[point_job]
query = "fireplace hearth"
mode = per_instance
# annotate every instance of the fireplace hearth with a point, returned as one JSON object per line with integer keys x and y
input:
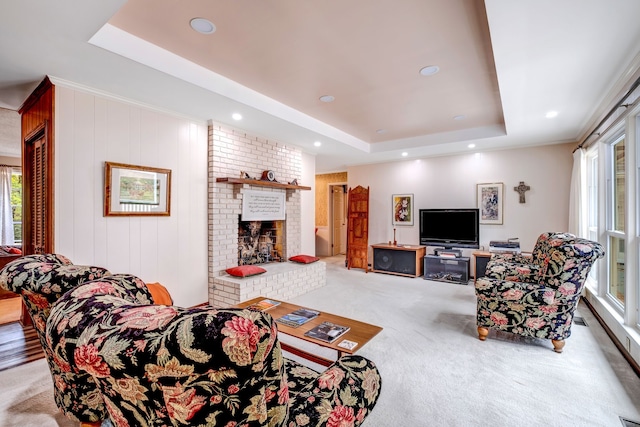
{"x": 261, "y": 242}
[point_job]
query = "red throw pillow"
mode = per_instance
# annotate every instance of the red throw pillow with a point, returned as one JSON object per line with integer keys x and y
{"x": 15, "y": 251}
{"x": 245, "y": 270}
{"x": 304, "y": 259}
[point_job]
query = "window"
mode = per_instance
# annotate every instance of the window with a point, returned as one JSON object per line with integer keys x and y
{"x": 16, "y": 204}
{"x": 616, "y": 221}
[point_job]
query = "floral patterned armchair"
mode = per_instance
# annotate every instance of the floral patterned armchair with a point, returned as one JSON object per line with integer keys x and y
{"x": 165, "y": 365}
{"x": 42, "y": 280}
{"x": 536, "y": 295}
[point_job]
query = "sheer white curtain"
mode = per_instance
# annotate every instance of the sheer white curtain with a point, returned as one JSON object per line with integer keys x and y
{"x": 577, "y": 196}
{"x": 6, "y": 216}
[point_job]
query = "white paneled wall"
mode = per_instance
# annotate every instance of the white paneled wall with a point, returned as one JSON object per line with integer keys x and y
{"x": 91, "y": 129}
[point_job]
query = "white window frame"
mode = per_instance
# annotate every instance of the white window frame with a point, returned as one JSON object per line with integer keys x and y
{"x": 609, "y": 232}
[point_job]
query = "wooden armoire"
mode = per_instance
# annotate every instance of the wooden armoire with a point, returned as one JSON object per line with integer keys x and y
{"x": 358, "y": 228}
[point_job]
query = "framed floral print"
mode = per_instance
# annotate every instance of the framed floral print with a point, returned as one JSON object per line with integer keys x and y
{"x": 490, "y": 202}
{"x": 402, "y": 209}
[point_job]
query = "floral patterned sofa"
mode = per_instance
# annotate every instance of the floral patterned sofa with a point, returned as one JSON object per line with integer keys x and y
{"x": 536, "y": 295}
{"x": 158, "y": 365}
{"x": 41, "y": 280}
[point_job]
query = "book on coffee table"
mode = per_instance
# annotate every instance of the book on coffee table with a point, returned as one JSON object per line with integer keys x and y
{"x": 327, "y": 331}
{"x": 298, "y": 317}
{"x": 263, "y": 305}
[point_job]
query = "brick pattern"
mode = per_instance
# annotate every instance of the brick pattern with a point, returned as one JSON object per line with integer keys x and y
{"x": 282, "y": 281}
{"x": 231, "y": 151}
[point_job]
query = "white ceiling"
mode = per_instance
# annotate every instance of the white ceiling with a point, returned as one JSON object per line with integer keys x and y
{"x": 503, "y": 65}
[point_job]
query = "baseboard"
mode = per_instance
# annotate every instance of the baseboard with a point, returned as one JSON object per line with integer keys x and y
{"x": 634, "y": 365}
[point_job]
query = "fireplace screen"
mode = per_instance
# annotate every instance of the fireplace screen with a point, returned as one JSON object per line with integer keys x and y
{"x": 260, "y": 242}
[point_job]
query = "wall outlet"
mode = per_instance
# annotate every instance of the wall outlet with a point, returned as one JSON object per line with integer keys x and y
{"x": 627, "y": 343}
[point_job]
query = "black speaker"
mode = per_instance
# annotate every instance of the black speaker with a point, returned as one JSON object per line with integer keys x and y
{"x": 393, "y": 261}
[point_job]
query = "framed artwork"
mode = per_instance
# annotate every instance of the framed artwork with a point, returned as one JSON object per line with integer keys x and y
{"x": 402, "y": 209}
{"x": 136, "y": 190}
{"x": 490, "y": 202}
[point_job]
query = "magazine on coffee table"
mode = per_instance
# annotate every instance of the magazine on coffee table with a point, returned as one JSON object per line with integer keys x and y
{"x": 327, "y": 331}
{"x": 263, "y": 305}
{"x": 298, "y": 317}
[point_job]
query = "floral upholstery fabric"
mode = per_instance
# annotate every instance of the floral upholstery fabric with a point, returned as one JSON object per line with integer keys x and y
{"x": 171, "y": 366}
{"x": 42, "y": 280}
{"x": 512, "y": 267}
{"x": 537, "y": 299}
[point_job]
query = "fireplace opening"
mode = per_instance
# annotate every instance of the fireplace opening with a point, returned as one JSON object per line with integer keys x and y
{"x": 261, "y": 242}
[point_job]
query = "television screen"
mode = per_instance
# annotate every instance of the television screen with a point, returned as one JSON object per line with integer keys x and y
{"x": 450, "y": 228}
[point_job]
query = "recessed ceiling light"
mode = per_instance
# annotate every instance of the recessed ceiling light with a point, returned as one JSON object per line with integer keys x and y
{"x": 405, "y": 154}
{"x": 236, "y": 116}
{"x": 202, "y": 25}
{"x": 471, "y": 145}
{"x": 429, "y": 70}
{"x": 327, "y": 98}
{"x": 317, "y": 143}
{"x": 459, "y": 117}
{"x": 551, "y": 114}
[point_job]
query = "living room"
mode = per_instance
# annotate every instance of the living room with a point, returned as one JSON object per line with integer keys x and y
{"x": 97, "y": 123}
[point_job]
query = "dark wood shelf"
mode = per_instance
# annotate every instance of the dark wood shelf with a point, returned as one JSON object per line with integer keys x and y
{"x": 262, "y": 183}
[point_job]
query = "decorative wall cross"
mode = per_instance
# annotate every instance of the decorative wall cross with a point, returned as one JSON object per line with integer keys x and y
{"x": 521, "y": 189}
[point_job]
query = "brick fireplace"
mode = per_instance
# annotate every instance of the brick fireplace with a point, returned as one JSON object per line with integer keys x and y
{"x": 231, "y": 152}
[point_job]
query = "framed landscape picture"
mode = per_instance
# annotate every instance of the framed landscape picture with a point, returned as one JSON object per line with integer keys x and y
{"x": 136, "y": 190}
{"x": 490, "y": 202}
{"x": 402, "y": 209}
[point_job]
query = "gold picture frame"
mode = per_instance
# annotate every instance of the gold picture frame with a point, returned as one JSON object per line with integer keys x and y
{"x": 131, "y": 190}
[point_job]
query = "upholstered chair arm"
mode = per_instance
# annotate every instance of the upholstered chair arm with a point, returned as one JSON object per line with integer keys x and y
{"x": 506, "y": 268}
{"x": 41, "y": 280}
{"x": 515, "y": 258}
{"x": 164, "y": 365}
{"x": 344, "y": 394}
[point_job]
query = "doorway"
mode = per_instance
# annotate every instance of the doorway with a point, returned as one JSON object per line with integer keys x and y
{"x": 338, "y": 218}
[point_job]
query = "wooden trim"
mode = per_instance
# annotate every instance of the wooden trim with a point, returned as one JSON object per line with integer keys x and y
{"x": 305, "y": 355}
{"x": 260, "y": 183}
{"x": 35, "y": 96}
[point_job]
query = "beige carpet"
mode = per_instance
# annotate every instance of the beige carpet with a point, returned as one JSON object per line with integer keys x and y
{"x": 435, "y": 371}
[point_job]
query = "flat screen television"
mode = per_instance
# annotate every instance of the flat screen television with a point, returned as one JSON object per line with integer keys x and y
{"x": 450, "y": 228}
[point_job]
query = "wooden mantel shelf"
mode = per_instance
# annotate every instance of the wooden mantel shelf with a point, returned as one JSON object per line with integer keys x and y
{"x": 262, "y": 183}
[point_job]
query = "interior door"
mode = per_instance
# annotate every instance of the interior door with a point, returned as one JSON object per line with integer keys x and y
{"x": 337, "y": 211}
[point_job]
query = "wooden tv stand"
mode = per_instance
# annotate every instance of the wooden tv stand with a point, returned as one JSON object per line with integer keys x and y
{"x": 404, "y": 260}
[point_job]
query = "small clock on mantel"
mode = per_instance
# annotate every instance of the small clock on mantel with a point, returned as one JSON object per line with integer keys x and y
{"x": 268, "y": 175}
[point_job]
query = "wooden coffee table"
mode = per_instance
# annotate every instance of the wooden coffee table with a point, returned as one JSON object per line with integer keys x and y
{"x": 359, "y": 332}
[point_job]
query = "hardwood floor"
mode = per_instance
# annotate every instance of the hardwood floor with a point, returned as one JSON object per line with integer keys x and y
{"x": 18, "y": 345}
{"x": 10, "y": 307}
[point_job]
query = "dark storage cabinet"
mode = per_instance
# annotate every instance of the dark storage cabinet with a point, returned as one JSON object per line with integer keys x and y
{"x": 446, "y": 269}
{"x": 402, "y": 260}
